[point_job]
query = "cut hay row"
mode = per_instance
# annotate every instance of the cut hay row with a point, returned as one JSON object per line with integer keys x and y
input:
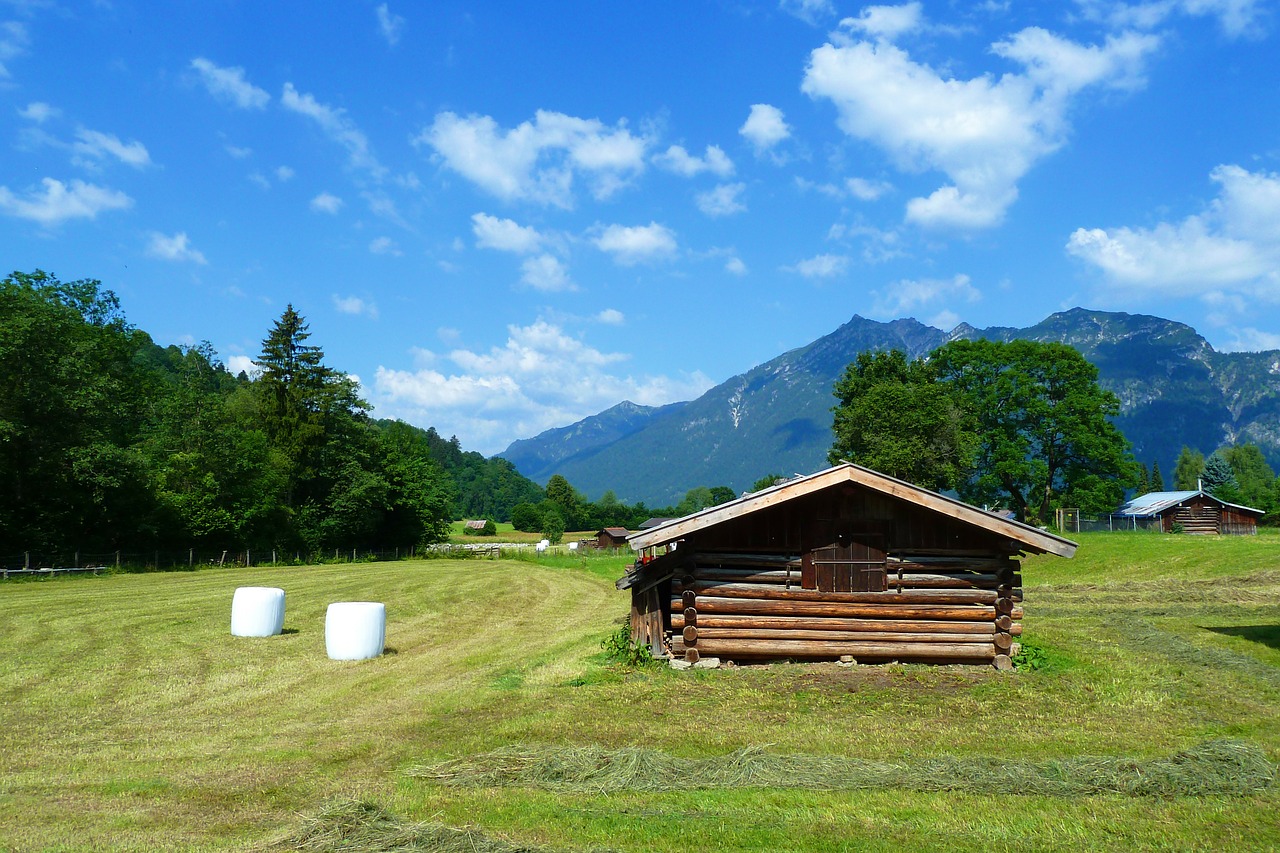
{"x": 359, "y": 827}
{"x": 1213, "y": 767}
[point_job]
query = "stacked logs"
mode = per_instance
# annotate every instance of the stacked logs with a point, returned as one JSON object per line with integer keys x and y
{"x": 933, "y": 609}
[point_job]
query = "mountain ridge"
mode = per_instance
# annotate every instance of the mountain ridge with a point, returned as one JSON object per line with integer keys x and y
{"x": 1174, "y": 389}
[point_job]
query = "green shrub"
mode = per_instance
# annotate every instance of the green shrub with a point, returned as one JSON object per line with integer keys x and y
{"x": 619, "y": 649}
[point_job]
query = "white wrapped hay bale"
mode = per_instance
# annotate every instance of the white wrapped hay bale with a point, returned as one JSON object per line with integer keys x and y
{"x": 542, "y": 546}
{"x": 355, "y": 630}
{"x": 257, "y": 611}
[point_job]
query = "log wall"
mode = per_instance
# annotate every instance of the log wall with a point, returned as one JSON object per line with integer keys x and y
{"x": 752, "y": 606}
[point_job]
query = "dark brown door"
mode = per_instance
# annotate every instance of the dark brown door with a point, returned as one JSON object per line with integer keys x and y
{"x": 841, "y": 559}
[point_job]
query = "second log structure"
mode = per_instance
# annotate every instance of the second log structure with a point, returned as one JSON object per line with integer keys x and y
{"x": 844, "y": 562}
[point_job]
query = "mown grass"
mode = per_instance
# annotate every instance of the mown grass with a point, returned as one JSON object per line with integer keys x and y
{"x": 131, "y": 719}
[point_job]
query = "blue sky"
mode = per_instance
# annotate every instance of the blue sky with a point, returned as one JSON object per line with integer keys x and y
{"x": 506, "y": 217}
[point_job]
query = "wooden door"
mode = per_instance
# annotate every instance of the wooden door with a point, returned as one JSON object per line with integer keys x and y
{"x": 839, "y": 558}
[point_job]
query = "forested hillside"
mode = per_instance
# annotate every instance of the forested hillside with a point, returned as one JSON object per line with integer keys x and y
{"x": 110, "y": 441}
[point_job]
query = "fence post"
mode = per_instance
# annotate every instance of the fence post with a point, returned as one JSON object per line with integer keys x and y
{"x": 353, "y": 555}
{"x": 26, "y": 560}
{"x": 77, "y": 563}
{"x": 117, "y": 560}
{"x": 191, "y": 557}
{"x": 273, "y": 556}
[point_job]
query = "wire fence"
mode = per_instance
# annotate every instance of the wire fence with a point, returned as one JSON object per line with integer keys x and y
{"x": 45, "y": 563}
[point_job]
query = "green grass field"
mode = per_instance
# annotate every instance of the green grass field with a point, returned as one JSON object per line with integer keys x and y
{"x": 131, "y": 719}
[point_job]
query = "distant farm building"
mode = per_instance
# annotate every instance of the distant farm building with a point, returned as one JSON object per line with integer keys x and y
{"x": 1188, "y": 512}
{"x": 612, "y": 537}
{"x": 844, "y": 562}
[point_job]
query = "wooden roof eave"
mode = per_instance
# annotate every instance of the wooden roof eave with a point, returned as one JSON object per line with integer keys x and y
{"x": 1025, "y": 537}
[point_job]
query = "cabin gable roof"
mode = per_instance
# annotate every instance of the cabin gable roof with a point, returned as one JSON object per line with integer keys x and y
{"x": 1028, "y": 538}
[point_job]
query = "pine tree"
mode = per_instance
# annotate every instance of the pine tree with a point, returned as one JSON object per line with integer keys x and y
{"x": 293, "y": 388}
{"x": 1144, "y": 479}
{"x": 1157, "y": 481}
{"x": 1219, "y": 480}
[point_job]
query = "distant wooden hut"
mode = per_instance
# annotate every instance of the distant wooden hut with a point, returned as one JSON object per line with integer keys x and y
{"x": 846, "y": 561}
{"x": 1195, "y": 512}
{"x": 612, "y": 537}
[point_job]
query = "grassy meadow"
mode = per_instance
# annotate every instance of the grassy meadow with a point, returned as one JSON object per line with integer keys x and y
{"x": 131, "y": 719}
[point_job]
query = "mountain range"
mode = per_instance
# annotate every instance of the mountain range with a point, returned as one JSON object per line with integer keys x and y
{"x": 1174, "y": 390}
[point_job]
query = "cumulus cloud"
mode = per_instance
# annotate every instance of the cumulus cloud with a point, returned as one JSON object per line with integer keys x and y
{"x": 735, "y": 266}
{"x": 505, "y": 235}
{"x": 355, "y": 306}
{"x": 92, "y": 145}
{"x": 537, "y": 161}
{"x": 630, "y": 245}
{"x": 59, "y": 202}
{"x": 611, "y": 317}
{"x": 677, "y": 159}
{"x": 177, "y": 248}
{"x": 384, "y": 246}
{"x": 906, "y": 297}
{"x": 1232, "y": 246}
{"x": 546, "y": 273}
{"x": 540, "y": 378}
{"x": 984, "y": 134}
{"x": 39, "y": 112}
{"x": 326, "y": 203}
{"x": 335, "y": 124}
{"x": 1249, "y": 339}
{"x": 724, "y": 200}
{"x": 820, "y": 266}
{"x": 230, "y": 85}
{"x": 391, "y": 26}
{"x": 765, "y": 127}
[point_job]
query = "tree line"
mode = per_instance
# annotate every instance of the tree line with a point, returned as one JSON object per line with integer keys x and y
{"x": 110, "y": 441}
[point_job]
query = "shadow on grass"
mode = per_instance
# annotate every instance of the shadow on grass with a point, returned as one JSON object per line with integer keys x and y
{"x": 288, "y": 630}
{"x": 1268, "y": 635}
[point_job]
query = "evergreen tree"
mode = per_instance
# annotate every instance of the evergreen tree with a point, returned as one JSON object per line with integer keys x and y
{"x": 1144, "y": 480}
{"x": 1157, "y": 481}
{"x": 1218, "y": 478}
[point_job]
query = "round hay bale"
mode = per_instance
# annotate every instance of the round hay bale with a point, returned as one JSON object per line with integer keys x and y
{"x": 355, "y": 630}
{"x": 257, "y": 611}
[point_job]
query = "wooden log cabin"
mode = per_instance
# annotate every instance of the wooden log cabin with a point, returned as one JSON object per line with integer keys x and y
{"x": 844, "y": 562}
{"x": 1195, "y": 512}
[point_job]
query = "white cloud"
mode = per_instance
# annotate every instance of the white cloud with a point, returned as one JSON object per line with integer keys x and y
{"x": 1237, "y": 18}
{"x": 284, "y": 173}
{"x": 93, "y": 145}
{"x": 631, "y": 245}
{"x": 230, "y": 85}
{"x": 391, "y": 26}
{"x": 677, "y": 159}
{"x": 820, "y": 266}
{"x": 384, "y": 246}
{"x": 238, "y": 364}
{"x": 505, "y": 235}
{"x": 765, "y": 127}
{"x": 984, "y": 133}
{"x": 337, "y": 126}
{"x": 809, "y": 11}
{"x": 13, "y": 44}
{"x": 238, "y": 152}
{"x": 326, "y": 203}
{"x": 724, "y": 200}
{"x": 1249, "y": 339}
{"x": 60, "y": 202}
{"x": 546, "y": 273}
{"x": 902, "y": 298}
{"x": 865, "y": 190}
{"x": 735, "y": 266}
{"x": 542, "y": 377}
{"x": 537, "y": 161}
{"x": 886, "y": 22}
{"x": 39, "y": 112}
{"x": 1232, "y": 246}
{"x": 355, "y": 306}
{"x": 176, "y": 248}
{"x": 611, "y": 317}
